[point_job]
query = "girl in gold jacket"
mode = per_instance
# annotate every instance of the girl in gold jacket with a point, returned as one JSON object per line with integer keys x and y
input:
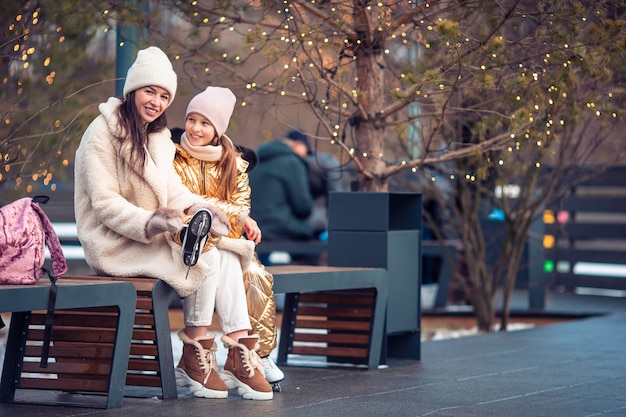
{"x": 209, "y": 164}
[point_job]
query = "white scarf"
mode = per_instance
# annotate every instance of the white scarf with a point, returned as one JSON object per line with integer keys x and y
{"x": 209, "y": 153}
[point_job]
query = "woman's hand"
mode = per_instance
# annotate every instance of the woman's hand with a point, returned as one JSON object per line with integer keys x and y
{"x": 163, "y": 220}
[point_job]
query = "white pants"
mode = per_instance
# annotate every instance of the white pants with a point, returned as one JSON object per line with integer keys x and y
{"x": 222, "y": 291}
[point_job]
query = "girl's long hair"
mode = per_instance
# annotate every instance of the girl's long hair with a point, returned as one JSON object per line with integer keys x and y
{"x": 227, "y": 168}
{"x": 132, "y": 130}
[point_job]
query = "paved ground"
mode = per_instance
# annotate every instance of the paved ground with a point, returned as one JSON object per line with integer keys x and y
{"x": 570, "y": 369}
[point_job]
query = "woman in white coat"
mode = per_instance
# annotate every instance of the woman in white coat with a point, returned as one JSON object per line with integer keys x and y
{"x": 129, "y": 201}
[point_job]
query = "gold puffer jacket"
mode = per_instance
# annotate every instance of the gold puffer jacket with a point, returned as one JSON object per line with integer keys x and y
{"x": 199, "y": 176}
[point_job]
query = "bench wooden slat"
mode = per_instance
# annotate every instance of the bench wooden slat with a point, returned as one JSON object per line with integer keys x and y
{"x": 333, "y": 325}
{"x": 144, "y": 349}
{"x": 143, "y": 334}
{"x": 142, "y": 319}
{"x": 144, "y": 303}
{"x": 100, "y": 367}
{"x": 331, "y": 312}
{"x": 72, "y": 350}
{"x": 73, "y": 334}
{"x": 147, "y": 364}
{"x": 71, "y": 319}
{"x": 329, "y": 351}
{"x": 342, "y": 298}
{"x": 143, "y": 380}
{"x": 87, "y": 385}
{"x": 338, "y": 338}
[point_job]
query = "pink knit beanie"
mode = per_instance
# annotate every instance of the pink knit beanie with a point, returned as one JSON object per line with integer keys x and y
{"x": 216, "y": 104}
{"x": 151, "y": 67}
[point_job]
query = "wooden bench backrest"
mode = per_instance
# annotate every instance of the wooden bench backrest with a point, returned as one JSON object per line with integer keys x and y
{"x": 81, "y": 350}
{"x": 334, "y": 324}
{"x": 82, "y": 346}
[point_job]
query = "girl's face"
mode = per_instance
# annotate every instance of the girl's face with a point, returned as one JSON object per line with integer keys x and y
{"x": 199, "y": 130}
{"x": 151, "y": 102}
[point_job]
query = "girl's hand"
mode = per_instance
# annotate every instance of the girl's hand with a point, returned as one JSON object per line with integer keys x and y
{"x": 220, "y": 225}
{"x": 253, "y": 232}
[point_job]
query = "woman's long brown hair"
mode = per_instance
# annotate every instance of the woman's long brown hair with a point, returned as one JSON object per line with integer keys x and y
{"x": 132, "y": 129}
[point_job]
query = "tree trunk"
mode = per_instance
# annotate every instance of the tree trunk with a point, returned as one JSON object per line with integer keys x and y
{"x": 513, "y": 257}
{"x": 477, "y": 282}
{"x": 369, "y": 126}
{"x": 481, "y": 295}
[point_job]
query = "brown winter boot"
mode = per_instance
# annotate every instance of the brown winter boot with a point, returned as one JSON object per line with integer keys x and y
{"x": 197, "y": 368}
{"x": 244, "y": 370}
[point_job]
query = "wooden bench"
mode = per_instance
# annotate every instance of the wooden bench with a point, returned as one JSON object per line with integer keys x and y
{"x": 151, "y": 362}
{"x": 83, "y": 359}
{"x": 361, "y": 307}
{"x": 332, "y": 312}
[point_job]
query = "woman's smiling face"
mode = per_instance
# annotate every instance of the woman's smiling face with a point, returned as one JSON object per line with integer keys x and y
{"x": 151, "y": 102}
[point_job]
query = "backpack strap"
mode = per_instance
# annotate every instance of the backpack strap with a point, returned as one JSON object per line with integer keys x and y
{"x": 59, "y": 266}
{"x": 47, "y": 333}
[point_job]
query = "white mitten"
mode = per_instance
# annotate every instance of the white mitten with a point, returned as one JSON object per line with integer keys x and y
{"x": 220, "y": 226}
{"x": 164, "y": 220}
{"x": 242, "y": 247}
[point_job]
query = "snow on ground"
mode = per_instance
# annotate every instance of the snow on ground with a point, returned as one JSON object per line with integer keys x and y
{"x": 445, "y": 333}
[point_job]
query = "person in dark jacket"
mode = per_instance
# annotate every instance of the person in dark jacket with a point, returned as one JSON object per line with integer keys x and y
{"x": 281, "y": 200}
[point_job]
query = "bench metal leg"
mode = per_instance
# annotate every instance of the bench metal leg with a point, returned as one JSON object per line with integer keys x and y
{"x": 376, "y": 355}
{"x": 121, "y": 349}
{"x": 14, "y": 355}
{"x": 162, "y": 296}
{"x": 287, "y": 327}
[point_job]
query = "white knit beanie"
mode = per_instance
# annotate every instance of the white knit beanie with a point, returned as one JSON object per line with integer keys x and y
{"x": 216, "y": 104}
{"x": 152, "y": 67}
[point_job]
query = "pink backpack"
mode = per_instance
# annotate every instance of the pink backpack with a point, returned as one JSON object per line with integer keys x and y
{"x": 24, "y": 231}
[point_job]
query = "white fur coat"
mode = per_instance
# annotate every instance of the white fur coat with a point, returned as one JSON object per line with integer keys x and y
{"x": 113, "y": 203}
